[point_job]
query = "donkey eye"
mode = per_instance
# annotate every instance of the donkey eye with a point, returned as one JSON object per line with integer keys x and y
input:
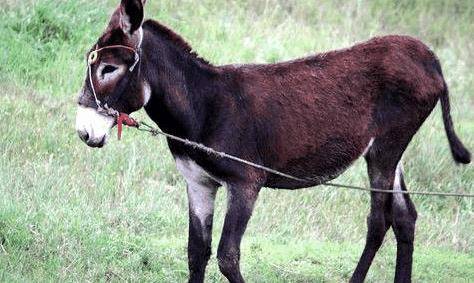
{"x": 108, "y": 69}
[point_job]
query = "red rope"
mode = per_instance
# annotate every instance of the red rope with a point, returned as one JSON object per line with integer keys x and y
{"x": 124, "y": 119}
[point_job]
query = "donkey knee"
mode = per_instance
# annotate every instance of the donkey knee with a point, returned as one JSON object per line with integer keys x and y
{"x": 198, "y": 258}
{"x": 404, "y": 223}
{"x": 376, "y": 229}
{"x": 228, "y": 262}
{"x": 404, "y": 230}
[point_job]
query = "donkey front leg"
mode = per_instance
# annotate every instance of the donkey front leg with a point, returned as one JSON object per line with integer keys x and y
{"x": 201, "y": 198}
{"x": 241, "y": 200}
{"x": 379, "y": 219}
{"x": 201, "y": 195}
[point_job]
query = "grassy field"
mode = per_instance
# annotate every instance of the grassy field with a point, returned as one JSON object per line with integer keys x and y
{"x": 71, "y": 213}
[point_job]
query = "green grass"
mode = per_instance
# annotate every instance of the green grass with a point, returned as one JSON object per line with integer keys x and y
{"x": 70, "y": 213}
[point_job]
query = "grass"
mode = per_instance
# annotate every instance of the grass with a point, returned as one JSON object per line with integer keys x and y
{"x": 70, "y": 213}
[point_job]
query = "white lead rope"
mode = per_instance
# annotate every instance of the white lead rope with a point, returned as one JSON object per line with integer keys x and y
{"x": 210, "y": 151}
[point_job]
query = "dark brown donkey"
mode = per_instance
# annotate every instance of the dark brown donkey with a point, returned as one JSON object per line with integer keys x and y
{"x": 310, "y": 117}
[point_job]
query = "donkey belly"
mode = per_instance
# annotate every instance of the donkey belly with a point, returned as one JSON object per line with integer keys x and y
{"x": 324, "y": 164}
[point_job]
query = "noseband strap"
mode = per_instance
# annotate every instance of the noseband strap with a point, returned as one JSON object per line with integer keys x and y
{"x": 94, "y": 55}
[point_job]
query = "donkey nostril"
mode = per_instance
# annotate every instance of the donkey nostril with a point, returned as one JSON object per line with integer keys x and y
{"x": 83, "y": 135}
{"x": 102, "y": 142}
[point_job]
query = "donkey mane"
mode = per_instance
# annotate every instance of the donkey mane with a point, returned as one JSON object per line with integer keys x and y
{"x": 175, "y": 38}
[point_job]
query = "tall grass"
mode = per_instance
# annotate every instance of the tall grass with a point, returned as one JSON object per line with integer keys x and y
{"x": 71, "y": 213}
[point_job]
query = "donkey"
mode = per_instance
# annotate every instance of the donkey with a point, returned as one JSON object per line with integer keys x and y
{"x": 310, "y": 118}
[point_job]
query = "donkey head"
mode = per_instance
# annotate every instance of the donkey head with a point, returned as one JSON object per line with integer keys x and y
{"x": 113, "y": 77}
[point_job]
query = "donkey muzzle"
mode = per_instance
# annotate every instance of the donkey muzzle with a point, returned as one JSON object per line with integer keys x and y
{"x": 92, "y": 127}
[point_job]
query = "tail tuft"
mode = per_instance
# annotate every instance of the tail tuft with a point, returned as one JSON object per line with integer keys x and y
{"x": 459, "y": 151}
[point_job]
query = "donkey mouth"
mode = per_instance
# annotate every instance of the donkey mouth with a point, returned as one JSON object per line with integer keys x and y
{"x": 96, "y": 144}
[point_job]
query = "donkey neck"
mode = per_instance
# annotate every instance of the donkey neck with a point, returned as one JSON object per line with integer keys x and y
{"x": 185, "y": 89}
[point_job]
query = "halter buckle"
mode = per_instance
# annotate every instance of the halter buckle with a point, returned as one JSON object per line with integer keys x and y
{"x": 93, "y": 56}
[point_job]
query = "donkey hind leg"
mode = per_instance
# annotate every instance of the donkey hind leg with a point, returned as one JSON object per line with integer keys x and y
{"x": 379, "y": 219}
{"x": 241, "y": 200}
{"x": 403, "y": 218}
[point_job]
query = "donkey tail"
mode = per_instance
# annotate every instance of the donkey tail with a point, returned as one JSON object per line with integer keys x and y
{"x": 458, "y": 150}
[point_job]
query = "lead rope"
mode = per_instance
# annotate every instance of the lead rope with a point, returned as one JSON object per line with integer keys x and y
{"x": 142, "y": 126}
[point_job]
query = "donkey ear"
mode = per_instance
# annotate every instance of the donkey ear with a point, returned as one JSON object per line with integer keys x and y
{"x": 131, "y": 15}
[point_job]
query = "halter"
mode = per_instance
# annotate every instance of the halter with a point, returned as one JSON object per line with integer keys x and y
{"x": 121, "y": 118}
{"x": 93, "y": 57}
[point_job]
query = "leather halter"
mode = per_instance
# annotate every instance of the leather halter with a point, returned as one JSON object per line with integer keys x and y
{"x": 93, "y": 57}
{"x": 121, "y": 118}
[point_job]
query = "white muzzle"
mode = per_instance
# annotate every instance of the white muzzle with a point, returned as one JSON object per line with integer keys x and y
{"x": 93, "y": 128}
